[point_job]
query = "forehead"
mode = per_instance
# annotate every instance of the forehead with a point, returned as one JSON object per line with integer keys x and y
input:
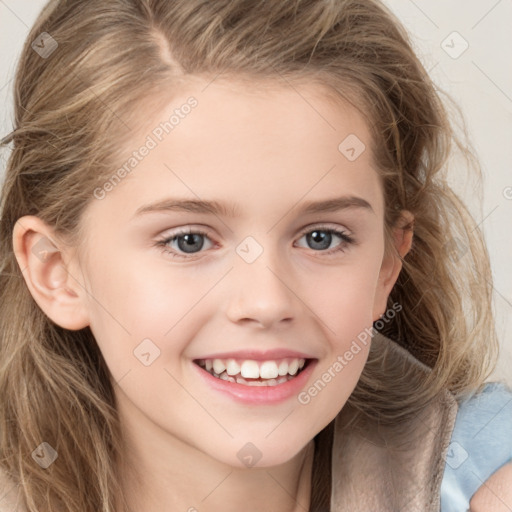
{"x": 266, "y": 144}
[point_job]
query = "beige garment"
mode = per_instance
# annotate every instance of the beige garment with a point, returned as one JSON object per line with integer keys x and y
{"x": 376, "y": 470}
{"x": 373, "y": 470}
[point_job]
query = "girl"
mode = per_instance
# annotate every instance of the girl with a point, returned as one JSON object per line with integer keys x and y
{"x": 233, "y": 276}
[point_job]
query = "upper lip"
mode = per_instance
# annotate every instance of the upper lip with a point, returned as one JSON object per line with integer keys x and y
{"x": 258, "y": 355}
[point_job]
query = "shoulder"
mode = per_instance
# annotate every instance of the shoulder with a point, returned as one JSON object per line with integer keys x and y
{"x": 481, "y": 444}
{"x": 10, "y": 500}
{"x": 495, "y": 494}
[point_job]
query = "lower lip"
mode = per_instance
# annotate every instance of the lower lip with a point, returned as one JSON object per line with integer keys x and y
{"x": 259, "y": 394}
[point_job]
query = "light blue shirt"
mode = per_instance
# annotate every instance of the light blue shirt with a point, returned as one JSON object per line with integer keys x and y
{"x": 481, "y": 443}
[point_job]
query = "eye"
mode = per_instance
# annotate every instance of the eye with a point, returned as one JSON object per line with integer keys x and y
{"x": 185, "y": 242}
{"x": 321, "y": 238}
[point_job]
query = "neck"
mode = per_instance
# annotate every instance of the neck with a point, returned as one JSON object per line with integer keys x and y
{"x": 180, "y": 477}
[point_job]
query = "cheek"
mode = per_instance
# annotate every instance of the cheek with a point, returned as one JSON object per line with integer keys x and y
{"x": 344, "y": 297}
{"x": 131, "y": 303}
{"x": 346, "y": 319}
{"x": 335, "y": 379}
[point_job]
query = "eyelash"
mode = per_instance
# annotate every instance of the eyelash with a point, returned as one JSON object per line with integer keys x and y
{"x": 346, "y": 240}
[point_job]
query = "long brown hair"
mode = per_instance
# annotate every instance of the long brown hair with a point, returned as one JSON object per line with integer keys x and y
{"x": 73, "y": 110}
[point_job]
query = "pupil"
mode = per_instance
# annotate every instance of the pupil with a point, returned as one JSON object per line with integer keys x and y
{"x": 319, "y": 237}
{"x": 192, "y": 242}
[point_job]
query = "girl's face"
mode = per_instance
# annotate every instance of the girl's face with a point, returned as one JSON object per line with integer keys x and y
{"x": 250, "y": 228}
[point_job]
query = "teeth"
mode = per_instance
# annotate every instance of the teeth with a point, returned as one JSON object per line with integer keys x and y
{"x": 273, "y": 372}
{"x": 293, "y": 367}
{"x": 224, "y": 376}
{"x": 232, "y": 367}
{"x": 269, "y": 370}
{"x": 270, "y": 382}
{"x": 218, "y": 366}
{"x": 260, "y": 383}
{"x": 283, "y": 368}
{"x": 250, "y": 370}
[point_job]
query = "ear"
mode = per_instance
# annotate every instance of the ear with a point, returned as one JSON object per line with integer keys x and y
{"x": 392, "y": 262}
{"x": 47, "y": 268}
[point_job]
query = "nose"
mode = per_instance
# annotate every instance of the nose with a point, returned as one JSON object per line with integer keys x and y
{"x": 262, "y": 295}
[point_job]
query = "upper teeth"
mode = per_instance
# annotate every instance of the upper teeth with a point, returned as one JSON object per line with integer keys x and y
{"x": 251, "y": 369}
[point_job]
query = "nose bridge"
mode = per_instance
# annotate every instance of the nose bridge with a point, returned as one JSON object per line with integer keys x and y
{"x": 261, "y": 292}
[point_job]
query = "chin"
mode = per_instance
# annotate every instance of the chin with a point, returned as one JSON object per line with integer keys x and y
{"x": 260, "y": 455}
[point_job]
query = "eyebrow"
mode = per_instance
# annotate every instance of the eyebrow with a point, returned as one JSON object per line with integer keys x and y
{"x": 230, "y": 210}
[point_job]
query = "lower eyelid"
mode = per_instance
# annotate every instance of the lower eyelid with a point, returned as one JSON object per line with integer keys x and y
{"x": 345, "y": 241}
{"x": 343, "y": 235}
{"x": 344, "y": 245}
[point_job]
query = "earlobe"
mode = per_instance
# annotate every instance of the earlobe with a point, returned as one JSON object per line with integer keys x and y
{"x": 47, "y": 273}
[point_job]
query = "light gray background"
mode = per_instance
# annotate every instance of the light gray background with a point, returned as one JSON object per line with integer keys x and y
{"x": 480, "y": 80}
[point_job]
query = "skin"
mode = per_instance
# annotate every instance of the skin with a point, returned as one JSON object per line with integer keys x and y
{"x": 495, "y": 495}
{"x": 267, "y": 154}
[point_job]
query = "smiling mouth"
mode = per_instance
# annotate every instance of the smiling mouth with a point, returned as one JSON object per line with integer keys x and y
{"x": 254, "y": 373}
